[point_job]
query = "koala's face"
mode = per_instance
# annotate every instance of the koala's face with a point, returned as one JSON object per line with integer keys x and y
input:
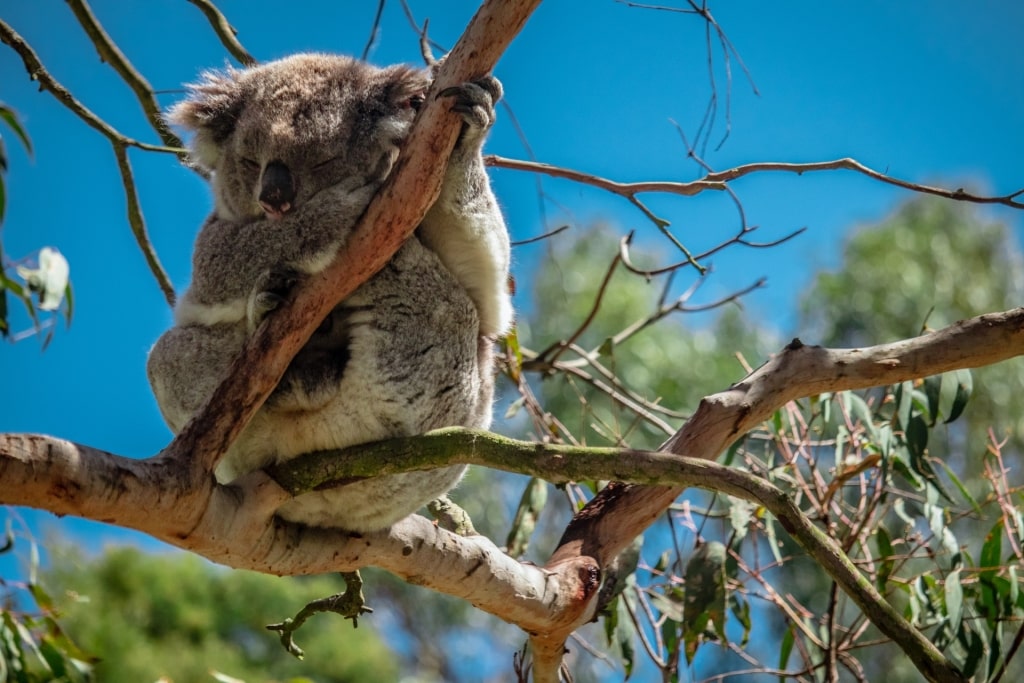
{"x": 276, "y": 134}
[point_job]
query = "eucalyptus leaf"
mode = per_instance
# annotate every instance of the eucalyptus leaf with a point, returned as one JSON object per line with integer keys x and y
{"x": 954, "y": 600}
{"x": 8, "y": 116}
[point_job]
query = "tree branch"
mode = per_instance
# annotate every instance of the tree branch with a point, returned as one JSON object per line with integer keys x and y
{"x": 235, "y": 525}
{"x": 119, "y": 142}
{"x": 225, "y": 31}
{"x": 718, "y": 180}
{"x": 620, "y": 512}
{"x": 110, "y": 53}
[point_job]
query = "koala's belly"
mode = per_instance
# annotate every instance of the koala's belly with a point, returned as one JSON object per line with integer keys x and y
{"x": 413, "y": 365}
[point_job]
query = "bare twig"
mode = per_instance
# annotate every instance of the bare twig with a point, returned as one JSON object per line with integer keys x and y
{"x": 849, "y": 164}
{"x": 426, "y": 43}
{"x": 590, "y": 358}
{"x": 119, "y": 142}
{"x": 551, "y": 353}
{"x": 635, "y": 405}
{"x": 718, "y": 180}
{"x": 729, "y": 52}
{"x": 374, "y": 30}
{"x": 538, "y": 238}
{"x": 110, "y": 53}
{"x": 225, "y": 31}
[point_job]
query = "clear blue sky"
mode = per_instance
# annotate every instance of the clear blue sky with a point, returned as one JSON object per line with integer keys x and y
{"x": 928, "y": 92}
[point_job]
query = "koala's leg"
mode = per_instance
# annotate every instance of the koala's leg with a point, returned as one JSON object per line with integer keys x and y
{"x": 412, "y": 367}
{"x": 187, "y": 363}
{"x": 465, "y": 226}
{"x": 314, "y": 377}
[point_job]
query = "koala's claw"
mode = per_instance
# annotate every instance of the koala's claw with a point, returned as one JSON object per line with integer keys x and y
{"x": 475, "y": 100}
{"x": 271, "y": 290}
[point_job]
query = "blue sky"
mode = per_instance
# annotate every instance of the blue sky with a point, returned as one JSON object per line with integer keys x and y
{"x": 932, "y": 95}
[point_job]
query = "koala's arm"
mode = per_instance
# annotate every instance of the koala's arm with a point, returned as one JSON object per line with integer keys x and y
{"x": 234, "y": 263}
{"x": 465, "y": 227}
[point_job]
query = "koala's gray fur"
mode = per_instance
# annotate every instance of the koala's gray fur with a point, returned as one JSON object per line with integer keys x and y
{"x": 297, "y": 148}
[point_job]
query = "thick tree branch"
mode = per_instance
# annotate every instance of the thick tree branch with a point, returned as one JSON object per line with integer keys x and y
{"x": 620, "y": 512}
{"x": 235, "y": 524}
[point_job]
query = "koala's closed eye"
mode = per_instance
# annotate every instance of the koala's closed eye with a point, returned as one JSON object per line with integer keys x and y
{"x": 415, "y": 102}
{"x": 327, "y": 162}
{"x": 250, "y": 165}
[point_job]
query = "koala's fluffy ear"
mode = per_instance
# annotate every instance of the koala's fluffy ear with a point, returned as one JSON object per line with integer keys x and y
{"x": 211, "y": 111}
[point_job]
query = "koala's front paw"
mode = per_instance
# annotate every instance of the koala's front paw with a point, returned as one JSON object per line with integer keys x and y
{"x": 475, "y": 100}
{"x": 272, "y": 289}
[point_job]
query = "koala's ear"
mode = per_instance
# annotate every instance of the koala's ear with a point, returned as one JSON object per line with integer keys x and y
{"x": 211, "y": 112}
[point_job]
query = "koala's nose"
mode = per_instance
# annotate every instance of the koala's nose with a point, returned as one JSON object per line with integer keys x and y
{"x": 277, "y": 189}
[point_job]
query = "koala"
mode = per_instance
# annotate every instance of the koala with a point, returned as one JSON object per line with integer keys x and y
{"x": 296, "y": 150}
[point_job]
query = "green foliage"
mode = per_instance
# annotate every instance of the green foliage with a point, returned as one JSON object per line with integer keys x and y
{"x": 931, "y": 263}
{"x": 10, "y": 119}
{"x": 176, "y": 616}
{"x": 704, "y": 596}
{"x": 34, "y": 647}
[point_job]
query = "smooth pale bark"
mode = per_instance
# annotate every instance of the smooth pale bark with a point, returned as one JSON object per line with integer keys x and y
{"x": 235, "y": 525}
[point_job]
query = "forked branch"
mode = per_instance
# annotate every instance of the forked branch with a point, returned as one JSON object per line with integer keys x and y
{"x": 235, "y": 524}
{"x": 119, "y": 142}
{"x": 718, "y": 180}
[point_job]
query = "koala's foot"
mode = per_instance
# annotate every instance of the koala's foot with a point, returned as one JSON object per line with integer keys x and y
{"x": 272, "y": 289}
{"x": 475, "y": 101}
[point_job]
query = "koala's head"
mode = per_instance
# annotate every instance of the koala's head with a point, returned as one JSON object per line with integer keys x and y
{"x": 276, "y": 134}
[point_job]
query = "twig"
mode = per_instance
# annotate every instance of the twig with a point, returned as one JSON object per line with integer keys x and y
{"x": 680, "y": 306}
{"x": 718, "y": 180}
{"x": 350, "y": 604}
{"x": 119, "y": 142}
{"x": 590, "y": 358}
{"x": 538, "y": 238}
{"x": 552, "y": 352}
{"x": 225, "y": 31}
{"x": 374, "y": 29}
{"x": 729, "y": 52}
{"x": 627, "y": 190}
{"x": 110, "y": 53}
{"x": 849, "y": 164}
{"x": 635, "y": 406}
{"x": 425, "y": 40}
{"x": 138, "y": 224}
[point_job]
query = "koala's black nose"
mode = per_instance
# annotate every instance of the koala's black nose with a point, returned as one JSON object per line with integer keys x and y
{"x": 277, "y": 189}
